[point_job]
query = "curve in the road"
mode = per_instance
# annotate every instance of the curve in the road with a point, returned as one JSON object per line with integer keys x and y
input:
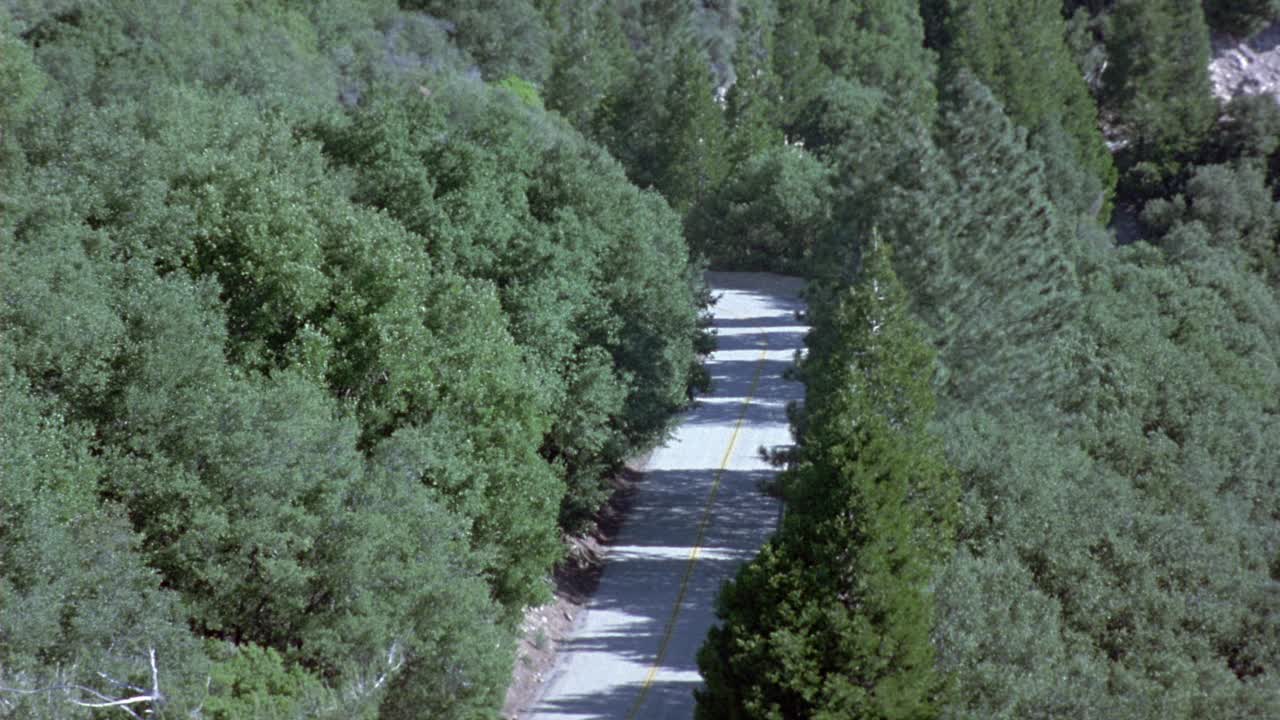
{"x": 696, "y": 516}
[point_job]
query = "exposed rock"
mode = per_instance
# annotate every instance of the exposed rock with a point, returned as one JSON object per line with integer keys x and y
{"x": 1246, "y": 67}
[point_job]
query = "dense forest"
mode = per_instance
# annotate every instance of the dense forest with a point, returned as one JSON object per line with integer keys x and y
{"x": 322, "y": 323}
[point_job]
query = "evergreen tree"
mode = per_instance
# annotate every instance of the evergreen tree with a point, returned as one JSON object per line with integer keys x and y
{"x": 506, "y": 37}
{"x": 1227, "y": 206}
{"x": 1018, "y": 50}
{"x": 768, "y": 215}
{"x": 999, "y": 280}
{"x": 80, "y": 609}
{"x": 880, "y": 44}
{"x": 877, "y": 44}
{"x": 751, "y": 105}
{"x": 796, "y": 60}
{"x": 832, "y": 619}
{"x": 1157, "y": 85}
{"x": 591, "y": 61}
{"x": 1250, "y": 128}
{"x": 693, "y": 160}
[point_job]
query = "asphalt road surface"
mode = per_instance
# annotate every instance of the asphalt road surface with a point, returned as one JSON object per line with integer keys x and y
{"x": 697, "y": 514}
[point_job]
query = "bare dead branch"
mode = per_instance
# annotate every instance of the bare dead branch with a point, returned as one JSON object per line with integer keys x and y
{"x": 102, "y": 700}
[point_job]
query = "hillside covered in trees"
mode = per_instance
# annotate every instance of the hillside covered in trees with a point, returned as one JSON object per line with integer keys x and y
{"x": 322, "y": 322}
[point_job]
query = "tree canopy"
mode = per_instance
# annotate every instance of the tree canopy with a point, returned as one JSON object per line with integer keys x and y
{"x": 322, "y": 323}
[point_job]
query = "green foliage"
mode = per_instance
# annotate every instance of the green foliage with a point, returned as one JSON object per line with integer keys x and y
{"x": 1104, "y": 410}
{"x": 328, "y": 395}
{"x": 592, "y": 62}
{"x": 1075, "y": 190}
{"x": 1019, "y": 51}
{"x": 1157, "y": 85}
{"x": 832, "y": 619}
{"x": 309, "y": 336}
{"x": 521, "y": 88}
{"x": 1155, "y": 358}
{"x": 693, "y": 161}
{"x": 1032, "y": 667}
{"x": 76, "y": 598}
{"x": 666, "y": 95}
{"x": 250, "y": 681}
{"x": 57, "y": 321}
{"x": 796, "y": 59}
{"x": 874, "y": 43}
{"x": 506, "y": 37}
{"x": 984, "y": 252}
{"x": 1230, "y": 207}
{"x": 1250, "y": 129}
{"x": 581, "y": 260}
{"x": 751, "y": 104}
{"x": 103, "y": 51}
{"x": 1116, "y": 393}
{"x": 20, "y": 80}
{"x": 768, "y": 216}
{"x": 874, "y": 152}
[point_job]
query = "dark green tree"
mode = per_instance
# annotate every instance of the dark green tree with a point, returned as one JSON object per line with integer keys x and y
{"x": 832, "y": 619}
{"x": 1006, "y": 267}
{"x": 768, "y": 215}
{"x": 80, "y": 609}
{"x": 1230, "y": 206}
{"x": 796, "y": 59}
{"x": 874, "y": 43}
{"x": 1018, "y": 50}
{"x": 591, "y": 62}
{"x": 553, "y": 225}
{"x": 1157, "y": 86}
{"x": 1250, "y": 128}
{"x": 693, "y": 157}
{"x": 751, "y": 104}
{"x": 880, "y": 44}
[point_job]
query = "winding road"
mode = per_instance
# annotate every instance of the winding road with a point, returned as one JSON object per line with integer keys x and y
{"x": 697, "y": 514}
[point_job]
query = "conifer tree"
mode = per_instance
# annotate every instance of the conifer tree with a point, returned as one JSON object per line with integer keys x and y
{"x": 874, "y": 43}
{"x": 693, "y": 159}
{"x": 1157, "y": 84}
{"x": 796, "y": 59}
{"x": 590, "y": 62}
{"x": 752, "y": 112}
{"x": 832, "y": 619}
{"x": 997, "y": 274}
{"x": 880, "y": 44}
{"x": 1019, "y": 51}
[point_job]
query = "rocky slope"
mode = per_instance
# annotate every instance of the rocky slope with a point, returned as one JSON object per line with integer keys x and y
{"x": 1246, "y": 67}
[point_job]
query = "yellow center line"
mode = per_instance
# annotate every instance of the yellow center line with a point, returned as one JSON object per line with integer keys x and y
{"x": 696, "y": 552}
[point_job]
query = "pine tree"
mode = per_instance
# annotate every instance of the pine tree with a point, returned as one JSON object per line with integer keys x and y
{"x": 693, "y": 159}
{"x": 591, "y": 60}
{"x": 880, "y": 44}
{"x": 874, "y": 43}
{"x": 1157, "y": 84}
{"x": 1000, "y": 268}
{"x": 801, "y": 74}
{"x": 832, "y": 619}
{"x": 1018, "y": 50}
{"x": 751, "y": 105}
